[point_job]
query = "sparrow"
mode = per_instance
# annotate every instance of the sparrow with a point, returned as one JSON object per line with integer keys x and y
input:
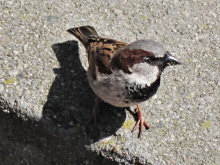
{"x": 123, "y": 74}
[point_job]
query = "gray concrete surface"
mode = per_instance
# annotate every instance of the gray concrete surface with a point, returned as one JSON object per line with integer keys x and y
{"x": 46, "y": 103}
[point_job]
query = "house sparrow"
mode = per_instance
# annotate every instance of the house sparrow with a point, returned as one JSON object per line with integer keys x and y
{"x": 123, "y": 74}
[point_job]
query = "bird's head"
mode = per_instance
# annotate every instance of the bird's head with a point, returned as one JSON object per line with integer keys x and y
{"x": 155, "y": 53}
{"x": 144, "y": 60}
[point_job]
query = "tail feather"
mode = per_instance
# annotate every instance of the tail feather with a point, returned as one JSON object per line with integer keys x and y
{"x": 84, "y": 33}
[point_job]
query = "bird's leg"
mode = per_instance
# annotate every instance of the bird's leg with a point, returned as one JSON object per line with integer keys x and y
{"x": 141, "y": 121}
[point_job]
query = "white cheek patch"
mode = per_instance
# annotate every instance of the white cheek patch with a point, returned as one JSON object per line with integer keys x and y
{"x": 143, "y": 73}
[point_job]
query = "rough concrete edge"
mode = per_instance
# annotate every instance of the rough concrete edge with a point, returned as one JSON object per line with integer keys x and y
{"x": 120, "y": 160}
{"x": 16, "y": 113}
{"x": 7, "y": 108}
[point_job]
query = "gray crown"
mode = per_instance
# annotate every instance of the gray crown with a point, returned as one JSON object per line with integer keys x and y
{"x": 148, "y": 45}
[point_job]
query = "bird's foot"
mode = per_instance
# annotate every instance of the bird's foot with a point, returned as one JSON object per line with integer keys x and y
{"x": 141, "y": 122}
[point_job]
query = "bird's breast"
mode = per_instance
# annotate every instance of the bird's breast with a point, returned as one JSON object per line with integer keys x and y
{"x": 117, "y": 89}
{"x": 139, "y": 93}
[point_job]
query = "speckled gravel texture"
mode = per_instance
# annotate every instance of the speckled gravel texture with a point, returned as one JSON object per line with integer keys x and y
{"x": 43, "y": 77}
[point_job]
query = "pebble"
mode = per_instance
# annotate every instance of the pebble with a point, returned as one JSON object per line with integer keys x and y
{"x": 1, "y": 87}
{"x": 72, "y": 108}
{"x": 113, "y": 3}
{"x": 209, "y": 99}
{"x": 71, "y": 123}
{"x": 5, "y": 111}
{"x": 15, "y": 52}
{"x": 203, "y": 36}
{"x": 13, "y": 72}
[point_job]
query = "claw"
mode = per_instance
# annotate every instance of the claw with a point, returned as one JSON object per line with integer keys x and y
{"x": 141, "y": 122}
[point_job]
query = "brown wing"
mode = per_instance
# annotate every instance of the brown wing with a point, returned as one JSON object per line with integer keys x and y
{"x": 100, "y": 50}
{"x": 100, "y": 53}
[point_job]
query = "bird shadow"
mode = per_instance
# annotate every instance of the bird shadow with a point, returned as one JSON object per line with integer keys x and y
{"x": 70, "y": 100}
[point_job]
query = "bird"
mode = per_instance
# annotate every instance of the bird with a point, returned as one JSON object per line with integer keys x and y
{"x": 123, "y": 74}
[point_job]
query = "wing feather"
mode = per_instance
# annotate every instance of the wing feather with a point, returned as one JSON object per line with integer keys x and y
{"x": 100, "y": 50}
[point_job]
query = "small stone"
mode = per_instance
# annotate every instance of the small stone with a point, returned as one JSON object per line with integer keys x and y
{"x": 72, "y": 108}
{"x": 209, "y": 99}
{"x": 71, "y": 123}
{"x": 51, "y": 19}
{"x": 20, "y": 76}
{"x": 15, "y": 52}
{"x": 13, "y": 72}
{"x": 1, "y": 87}
{"x": 154, "y": 97}
{"x": 6, "y": 111}
{"x": 186, "y": 14}
{"x": 112, "y": 3}
{"x": 19, "y": 65}
{"x": 202, "y": 37}
{"x": 86, "y": 162}
{"x": 170, "y": 11}
{"x": 9, "y": 3}
{"x": 33, "y": 24}
{"x": 172, "y": 137}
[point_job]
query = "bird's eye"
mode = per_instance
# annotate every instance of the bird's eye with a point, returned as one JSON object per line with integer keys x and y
{"x": 146, "y": 59}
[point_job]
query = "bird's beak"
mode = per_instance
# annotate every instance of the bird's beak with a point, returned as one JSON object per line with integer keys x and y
{"x": 170, "y": 60}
